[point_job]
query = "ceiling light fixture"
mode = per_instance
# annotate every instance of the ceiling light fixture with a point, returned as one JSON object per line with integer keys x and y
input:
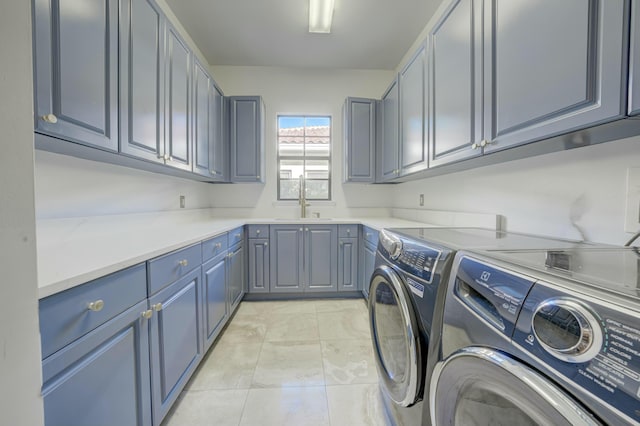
{"x": 320, "y": 15}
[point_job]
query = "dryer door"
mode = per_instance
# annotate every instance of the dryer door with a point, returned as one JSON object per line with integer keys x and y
{"x": 395, "y": 335}
{"x": 482, "y": 387}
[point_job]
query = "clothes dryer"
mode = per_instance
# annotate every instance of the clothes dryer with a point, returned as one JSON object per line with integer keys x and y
{"x": 540, "y": 337}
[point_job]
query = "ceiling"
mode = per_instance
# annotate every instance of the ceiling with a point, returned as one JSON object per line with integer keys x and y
{"x": 365, "y": 34}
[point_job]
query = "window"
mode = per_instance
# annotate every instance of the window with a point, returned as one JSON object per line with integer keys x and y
{"x": 304, "y": 149}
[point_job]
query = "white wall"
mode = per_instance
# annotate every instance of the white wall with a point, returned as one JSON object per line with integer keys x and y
{"x": 20, "y": 371}
{"x": 72, "y": 187}
{"x": 301, "y": 91}
{"x": 540, "y": 194}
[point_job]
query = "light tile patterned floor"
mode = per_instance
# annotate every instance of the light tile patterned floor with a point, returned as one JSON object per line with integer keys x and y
{"x": 287, "y": 363}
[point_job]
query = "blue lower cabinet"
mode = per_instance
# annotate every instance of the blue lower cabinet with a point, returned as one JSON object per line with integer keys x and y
{"x": 101, "y": 379}
{"x": 368, "y": 265}
{"x": 320, "y": 258}
{"x": 215, "y": 312}
{"x": 348, "y": 264}
{"x": 235, "y": 275}
{"x": 175, "y": 341}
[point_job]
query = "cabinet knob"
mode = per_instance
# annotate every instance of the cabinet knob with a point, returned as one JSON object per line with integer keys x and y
{"x": 300, "y": 229}
{"x": 218, "y": 246}
{"x": 349, "y": 231}
{"x": 475, "y": 146}
{"x": 484, "y": 143}
{"x": 368, "y": 234}
{"x": 266, "y": 244}
{"x": 238, "y": 235}
{"x": 258, "y": 176}
{"x": 147, "y": 314}
{"x": 258, "y": 232}
{"x": 341, "y": 243}
{"x": 96, "y": 306}
{"x": 157, "y": 307}
{"x": 50, "y": 118}
{"x": 306, "y": 229}
{"x": 183, "y": 262}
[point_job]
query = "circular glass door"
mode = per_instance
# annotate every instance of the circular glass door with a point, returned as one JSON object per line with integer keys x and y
{"x": 483, "y": 387}
{"x": 395, "y": 337}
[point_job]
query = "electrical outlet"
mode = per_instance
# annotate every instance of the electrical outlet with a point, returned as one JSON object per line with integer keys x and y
{"x": 632, "y": 212}
{"x": 421, "y": 199}
{"x": 183, "y": 201}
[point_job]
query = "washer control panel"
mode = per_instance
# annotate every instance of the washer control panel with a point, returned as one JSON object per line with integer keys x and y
{"x": 413, "y": 258}
{"x": 594, "y": 344}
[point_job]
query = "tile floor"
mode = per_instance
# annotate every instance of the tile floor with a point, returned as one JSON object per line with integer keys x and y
{"x": 287, "y": 363}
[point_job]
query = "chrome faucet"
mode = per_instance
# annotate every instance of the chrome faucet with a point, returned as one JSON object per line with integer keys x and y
{"x": 302, "y": 198}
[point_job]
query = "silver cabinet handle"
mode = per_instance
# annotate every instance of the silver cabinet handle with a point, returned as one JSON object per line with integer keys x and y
{"x": 238, "y": 235}
{"x": 157, "y": 307}
{"x": 218, "y": 246}
{"x": 96, "y": 306}
{"x": 50, "y": 118}
{"x": 368, "y": 234}
{"x": 183, "y": 262}
{"x": 147, "y": 314}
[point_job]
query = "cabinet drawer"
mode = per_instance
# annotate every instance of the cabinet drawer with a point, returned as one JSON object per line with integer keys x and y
{"x": 66, "y": 316}
{"x": 236, "y": 236}
{"x": 370, "y": 235}
{"x": 258, "y": 231}
{"x": 168, "y": 268}
{"x": 213, "y": 247}
{"x": 348, "y": 231}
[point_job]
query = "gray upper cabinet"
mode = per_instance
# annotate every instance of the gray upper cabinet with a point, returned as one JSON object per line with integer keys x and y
{"x": 359, "y": 139}
{"x": 142, "y": 80}
{"x": 286, "y": 257}
{"x": 320, "y": 258}
{"x": 455, "y": 81}
{"x": 413, "y": 146}
{"x": 202, "y": 114}
{"x": 76, "y": 71}
{"x": 246, "y": 133}
{"x": 634, "y": 60}
{"x": 177, "y": 101}
{"x": 569, "y": 76}
{"x": 387, "y": 149}
{"x": 219, "y": 154}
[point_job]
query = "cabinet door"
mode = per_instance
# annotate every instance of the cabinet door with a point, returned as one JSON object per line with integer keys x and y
{"x": 215, "y": 298}
{"x": 388, "y": 148}
{"x": 236, "y": 276}
{"x": 320, "y": 258}
{"x": 259, "y": 265}
{"x": 286, "y": 258}
{"x": 202, "y": 113}
{"x": 455, "y": 89}
{"x": 245, "y": 122}
{"x": 569, "y": 76}
{"x": 369, "y": 262}
{"x": 142, "y": 80}
{"x": 219, "y": 153}
{"x": 102, "y": 378}
{"x": 348, "y": 264}
{"x": 359, "y": 141}
{"x": 178, "y": 102}
{"x": 76, "y": 70}
{"x": 413, "y": 146}
{"x": 634, "y": 60}
{"x": 176, "y": 340}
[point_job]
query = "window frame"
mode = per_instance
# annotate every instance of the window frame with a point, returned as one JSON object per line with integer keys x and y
{"x": 304, "y": 157}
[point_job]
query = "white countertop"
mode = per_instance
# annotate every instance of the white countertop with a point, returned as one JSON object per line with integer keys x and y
{"x": 77, "y": 250}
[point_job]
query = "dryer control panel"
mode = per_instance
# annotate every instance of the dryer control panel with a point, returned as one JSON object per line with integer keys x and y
{"x": 592, "y": 343}
{"x": 413, "y": 258}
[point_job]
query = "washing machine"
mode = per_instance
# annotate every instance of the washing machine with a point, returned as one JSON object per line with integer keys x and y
{"x": 540, "y": 337}
{"x": 406, "y": 292}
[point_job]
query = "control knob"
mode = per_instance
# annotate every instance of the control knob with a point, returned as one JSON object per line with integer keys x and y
{"x": 567, "y": 330}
